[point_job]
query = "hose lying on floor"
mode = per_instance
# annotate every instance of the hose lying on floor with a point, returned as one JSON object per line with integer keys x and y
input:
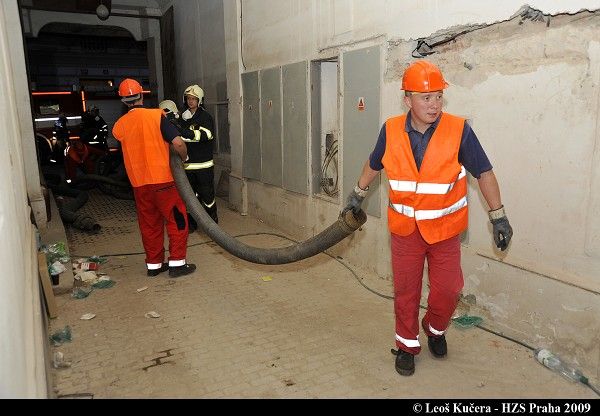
{"x": 345, "y": 225}
{"x": 68, "y": 210}
{"x": 110, "y": 186}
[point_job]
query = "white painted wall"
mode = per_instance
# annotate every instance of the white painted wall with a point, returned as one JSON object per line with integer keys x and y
{"x": 22, "y": 365}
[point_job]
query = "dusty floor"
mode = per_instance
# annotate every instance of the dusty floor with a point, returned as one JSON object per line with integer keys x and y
{"x": 237, "y": 329}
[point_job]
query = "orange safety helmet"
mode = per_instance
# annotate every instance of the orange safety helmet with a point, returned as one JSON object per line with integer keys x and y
{"x": 423, "y": 76}
{"x": 130, "y": 90}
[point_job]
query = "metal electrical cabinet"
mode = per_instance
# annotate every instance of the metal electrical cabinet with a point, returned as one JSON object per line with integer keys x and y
{"x": 295, "y": 127}
{"x": 270, "y": 96}
{"x": 251, "y": 146}
{"x": 362, "y": 74}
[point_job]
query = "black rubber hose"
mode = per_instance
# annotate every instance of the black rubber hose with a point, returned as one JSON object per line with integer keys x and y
{"x": 345, "y": 225}
{"x": 100, "y": 178}
{"x": 110, "y": 186}
{"x": 67, "y": 210}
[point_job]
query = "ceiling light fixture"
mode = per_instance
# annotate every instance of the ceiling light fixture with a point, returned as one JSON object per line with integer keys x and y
{"x": 102, "y": 11}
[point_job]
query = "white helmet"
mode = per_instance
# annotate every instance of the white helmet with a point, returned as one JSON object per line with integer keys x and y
{"x": 194, "y": 91}
{"x": 169, "y": 106}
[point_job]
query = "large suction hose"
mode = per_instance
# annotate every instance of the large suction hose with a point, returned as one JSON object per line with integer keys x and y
{"x": 68, "y": 210}
{"x": 345, "y": 225}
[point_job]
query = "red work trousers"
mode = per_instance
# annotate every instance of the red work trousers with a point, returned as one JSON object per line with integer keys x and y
{"x": 445, "y": 284}
{"x": 157, "y": 204}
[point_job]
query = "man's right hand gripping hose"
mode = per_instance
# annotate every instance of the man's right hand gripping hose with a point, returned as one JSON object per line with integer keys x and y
{"x": 355, "y": 200}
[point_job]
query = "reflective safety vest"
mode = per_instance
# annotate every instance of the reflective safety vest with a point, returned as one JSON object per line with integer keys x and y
{"x": 434, "y": 198}
{"x": 145, "y": 151}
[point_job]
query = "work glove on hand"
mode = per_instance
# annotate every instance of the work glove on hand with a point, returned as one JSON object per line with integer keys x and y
{"x": 187, "y": 134}
{"x": 502, "y": 230}
{"x": 355, "y": 199}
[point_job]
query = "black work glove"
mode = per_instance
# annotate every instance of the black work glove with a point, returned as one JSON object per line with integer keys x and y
{"x": 502, "y": 230}
{"x": 355, "y": 199}
{"x": 187, "y": 134}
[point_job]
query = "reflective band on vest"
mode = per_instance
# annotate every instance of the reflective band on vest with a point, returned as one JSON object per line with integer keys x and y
{"x": 426, "y": 188}
{"x": 202, "y": 165}
{"x": 428, "y": 214}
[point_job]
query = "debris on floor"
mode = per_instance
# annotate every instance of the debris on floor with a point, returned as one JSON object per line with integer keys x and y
{"x": 152, "y": 314}
{"x": 62, "y": 336}
{"x": 81, "y": 292}
{"x": 59, "y": 361}
{"x": 467, "y": 321}
{"x": 103, "y": 283}
{"x": 87, "y": 316}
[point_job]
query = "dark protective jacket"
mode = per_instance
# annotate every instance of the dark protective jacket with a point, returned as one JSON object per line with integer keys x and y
{"x": 200, "y": 147}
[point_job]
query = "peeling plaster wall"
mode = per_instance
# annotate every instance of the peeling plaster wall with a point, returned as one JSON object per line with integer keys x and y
{"x": 531, "y": 92}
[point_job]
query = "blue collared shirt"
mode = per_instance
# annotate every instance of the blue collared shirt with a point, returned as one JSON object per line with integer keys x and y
{"x": 470, "y": 154}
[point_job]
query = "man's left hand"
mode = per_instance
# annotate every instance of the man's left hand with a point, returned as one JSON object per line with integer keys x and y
{"x": 502, "y": 230}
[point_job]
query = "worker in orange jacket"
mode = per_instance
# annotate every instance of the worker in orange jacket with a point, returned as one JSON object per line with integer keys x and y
{"x": 426, "y": 154}
{"x": 145, "y": 135}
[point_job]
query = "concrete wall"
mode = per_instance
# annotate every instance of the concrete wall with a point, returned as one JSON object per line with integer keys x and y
{"x": 22, "y": 365}
{"x": 199, "y": 48}
{"x": 531, "y": 89}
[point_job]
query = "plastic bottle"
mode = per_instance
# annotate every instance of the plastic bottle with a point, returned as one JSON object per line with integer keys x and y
{"x": 553, "y": 362}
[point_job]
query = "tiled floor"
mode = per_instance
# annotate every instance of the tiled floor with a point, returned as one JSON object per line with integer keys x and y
{"x": 237, "y": 329}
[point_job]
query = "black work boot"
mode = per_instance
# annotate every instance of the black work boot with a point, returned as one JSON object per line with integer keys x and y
{"x": 405, "y": 363}
{"x": 178, "y": 271}
{"x": 156, "y": 272}
{"x": 437, "y": 346}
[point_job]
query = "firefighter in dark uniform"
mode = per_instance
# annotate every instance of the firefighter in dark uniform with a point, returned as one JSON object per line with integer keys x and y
{"x": 60, "y": 138}
{"x": 200, "y": 166}
{"x": 94, "y": 129}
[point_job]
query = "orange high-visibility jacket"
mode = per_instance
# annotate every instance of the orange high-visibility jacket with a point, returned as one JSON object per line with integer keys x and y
{"x": 434, "y": 199}
{"x": 145, "y": 152}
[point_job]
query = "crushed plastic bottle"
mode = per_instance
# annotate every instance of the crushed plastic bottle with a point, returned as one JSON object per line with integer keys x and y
{"x": 553, "y": 362}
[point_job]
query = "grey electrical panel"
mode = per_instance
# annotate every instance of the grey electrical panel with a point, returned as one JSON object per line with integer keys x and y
{"x": 295, "y": 128}
{"x": 362, "y": 75}
{"x": 251, "y": 146}
{"x": 270, "y": 95}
